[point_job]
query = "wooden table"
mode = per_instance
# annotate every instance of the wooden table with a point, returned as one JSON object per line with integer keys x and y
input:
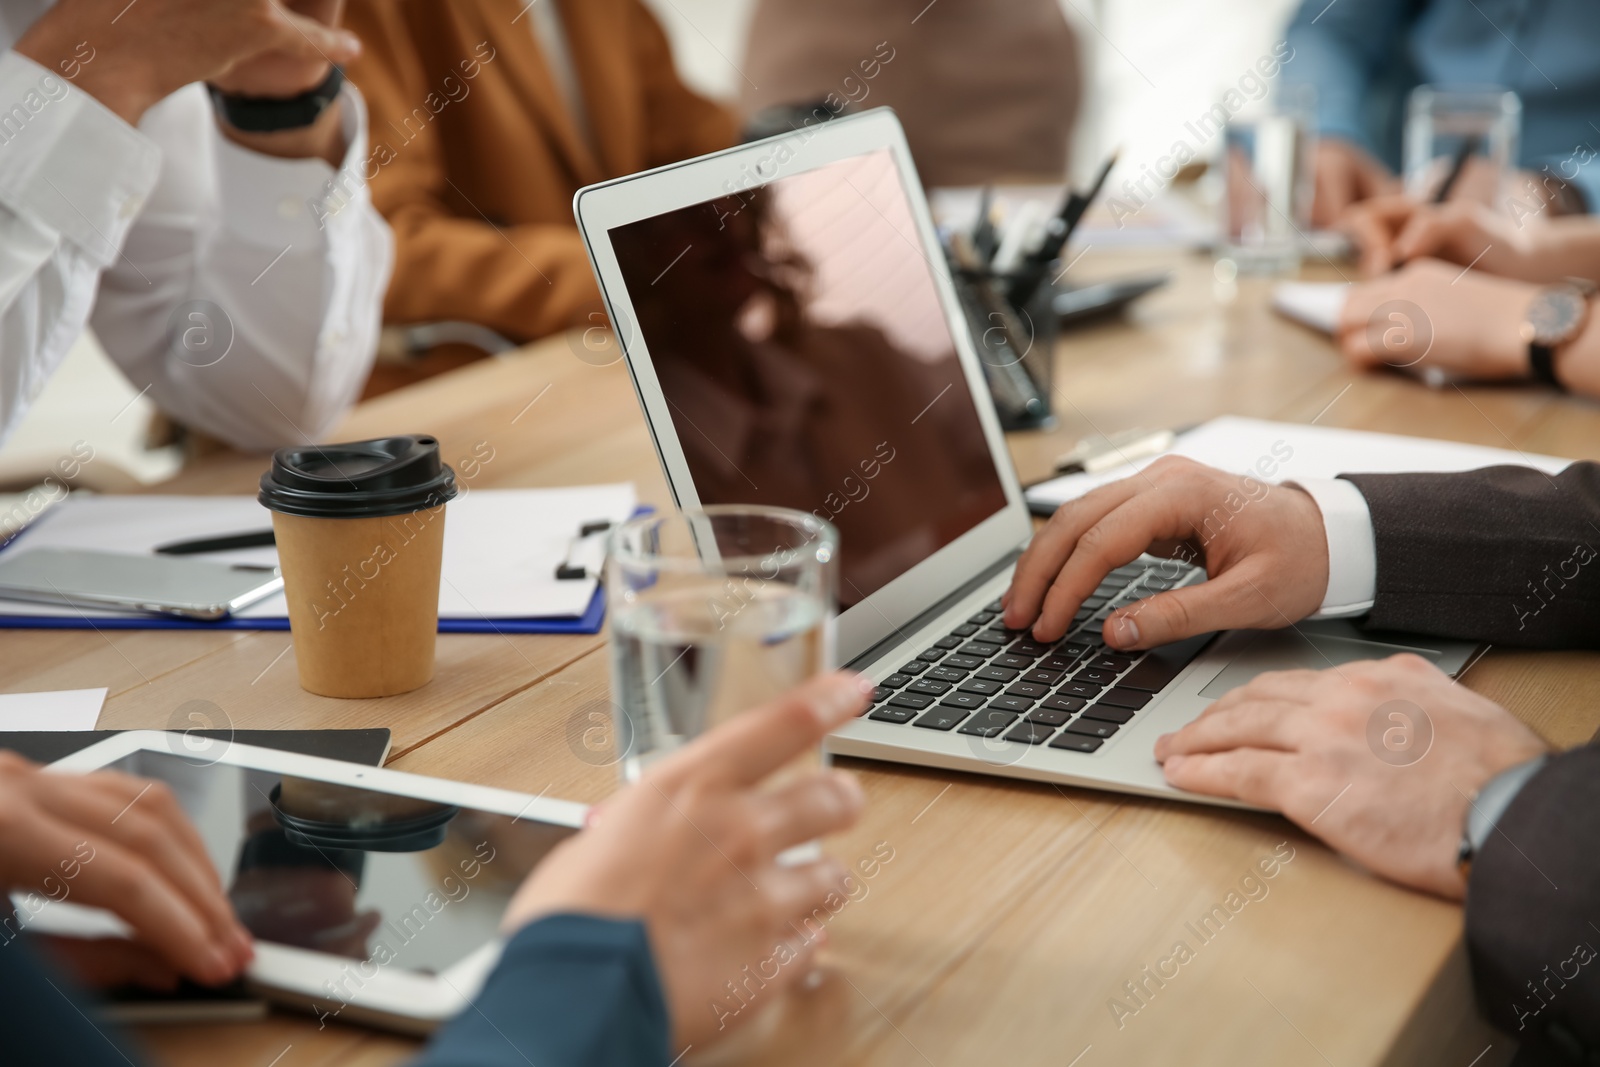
{"x": 1011, "y": 914}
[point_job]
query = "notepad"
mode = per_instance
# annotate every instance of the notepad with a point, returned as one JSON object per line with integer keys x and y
{"x": 65, "y": 709}
{"x": 1314, "y": 304}
{"x": 501, "y": 550}
{"x": 1286, "y": 451}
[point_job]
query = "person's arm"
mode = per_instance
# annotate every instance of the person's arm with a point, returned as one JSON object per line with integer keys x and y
{"x": 1503, "y": 554}
{"x": 1337, "y": 50}
{"x": 680, "y": 123}
{"x": 570, "y": 989}
{"x": 1534, "y": 950}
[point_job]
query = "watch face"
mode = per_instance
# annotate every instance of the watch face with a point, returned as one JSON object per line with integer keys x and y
{"x": 1555, "y": 315}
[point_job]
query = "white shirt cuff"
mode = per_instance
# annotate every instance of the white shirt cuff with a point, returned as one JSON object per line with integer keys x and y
{"x": 277, "y": 202}
{"x": 1352, "y": 549}
{"x": 68, "y": 161}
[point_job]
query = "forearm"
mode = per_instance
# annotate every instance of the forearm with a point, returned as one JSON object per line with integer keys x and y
{"x": 569, "y": 990}
{"x": 1534, "y": 890}
{"x": 1503, "y": 554}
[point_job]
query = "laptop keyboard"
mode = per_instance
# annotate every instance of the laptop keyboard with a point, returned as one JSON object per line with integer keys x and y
{"x": 987, "y": 681}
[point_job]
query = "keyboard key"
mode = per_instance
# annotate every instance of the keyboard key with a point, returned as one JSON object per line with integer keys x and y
{"x": 1092, "y": 727}
{"x": 931, "y": 686}
{"x": 1057, "y": 663}
{"x": 1114, "y": 664}
{"x": 965, "y": 701}
{"x": 1080, "y": 689}
{"x": 882, "y": 693}
{"x": 988, "y": 723}
{"x": 993, "y": 607}
{"x": 1116, "y": 579}
{"x": 1154, "y": 584}
{"x": 1019, "y": 662}
{"x": 1048, "y": 717}
{"x": 948, "y": 643}
{"x": 1093, "y": 602}
{"x": 916, "y": 666}
{"x": 1162, "y": 665}
{"x": 1031, "y": 733}
{"x": 895, "y": 715}
{"x": 981, "y": 649}
{"x": 914, "y": 701}
{"x": 1076, "y": 742}
{"x": 945, "y": 673}
{"x": 1017, "y": 705}
{"x": 1042, "y": 677}
{"x": 982, "y": 618}
{"x": 1089, "y": 674}
{"x": 997, "y": 636}
{"x": 1031, "y": 690}
{"x": 1108, "y": 713}
{"x": 1061, "y": 703}
{"x": 895, "y": 681}
{"x": 1031, "y": 649}
{"x": 941, "y": 718}
{"x": 963, "y": 663}
{"x": 1126, "y": 698}
{"x": 981, "y": 686}
{"x": 1130, "y": 570}
{"x": 1071, "y": 648}
{"x": 997, "y": 674}
{"x": 932, "y": 655}
{"x": 966, "y": 629}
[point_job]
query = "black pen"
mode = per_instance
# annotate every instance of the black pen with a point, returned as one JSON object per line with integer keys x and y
{"x": 1030, "y": 275}
{"x": 221, "y": 543}
{"x": 1469, "y": 147}
{"x": 984, "y": 239}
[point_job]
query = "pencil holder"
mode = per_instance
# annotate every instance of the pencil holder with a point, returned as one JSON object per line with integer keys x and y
{"x": 1015, "y": 342}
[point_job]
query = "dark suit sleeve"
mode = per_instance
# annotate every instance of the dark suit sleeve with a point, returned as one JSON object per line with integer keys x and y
{"x": 46, "y": 1022}
{"x": 570, "y": 991}
{"x": 1502, "y": 554}
{"x": 1532, "y": 907}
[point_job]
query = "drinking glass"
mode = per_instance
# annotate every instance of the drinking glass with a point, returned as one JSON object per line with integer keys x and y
{"x": 1443, "y": 121}
{"x": 1267, "y": 185}
{"x": 714, "y": 612}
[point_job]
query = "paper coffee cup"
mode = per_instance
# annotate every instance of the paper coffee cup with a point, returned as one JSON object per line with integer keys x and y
{"x": 360, "y": 533}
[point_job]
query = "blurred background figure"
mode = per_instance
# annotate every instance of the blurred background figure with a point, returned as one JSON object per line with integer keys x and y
{"x": 1364, "y": 56}
{"x": 988, "y": 90}
{"x": 487, "y": 116}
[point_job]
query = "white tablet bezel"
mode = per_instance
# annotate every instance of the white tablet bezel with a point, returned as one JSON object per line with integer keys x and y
{"x": 293, "y": 977}
{"x": 600, "y": 208}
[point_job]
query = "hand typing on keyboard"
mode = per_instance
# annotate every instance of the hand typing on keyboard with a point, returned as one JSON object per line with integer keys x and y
{"x": 1263, "y": 547}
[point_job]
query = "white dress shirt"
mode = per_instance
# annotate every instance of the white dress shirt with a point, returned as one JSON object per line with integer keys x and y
{"x": 1352, "y": 549}
{"x": 219, "y": 279}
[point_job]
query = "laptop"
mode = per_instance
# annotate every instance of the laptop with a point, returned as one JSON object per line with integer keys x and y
{"x": 791, "y": 330}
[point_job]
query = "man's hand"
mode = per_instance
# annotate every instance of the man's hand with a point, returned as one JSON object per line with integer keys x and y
{"x": 1431, "y": 314}
{"x": 1263, "y": 546}
{"x": 1345, "y": 174}
{"x": 692, "y": 850}
{"x": 1379, "y": 758}
{"x": 111, "y": 841}
{"x": 147, "y": 50}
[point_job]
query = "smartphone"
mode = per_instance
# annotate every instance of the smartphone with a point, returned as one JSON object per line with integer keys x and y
{"x": 161, "y": 585}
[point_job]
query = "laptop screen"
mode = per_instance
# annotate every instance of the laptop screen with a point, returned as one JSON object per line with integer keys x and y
{"x": 800, "y": 342}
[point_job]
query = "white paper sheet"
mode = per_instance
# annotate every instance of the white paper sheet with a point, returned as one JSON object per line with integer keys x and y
{"x": 1286, "y": 451}
{"x": 67, "y": 709}
{"x": 1314, "y": 304}
{"x": 501, "y": 546}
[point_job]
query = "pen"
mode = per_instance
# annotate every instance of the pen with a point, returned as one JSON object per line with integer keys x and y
{"x": 983, "y": 234}
{"x": 1031, "y": 274}
{"x": 1457, "y": 165}
{"x": 221, "y": 543}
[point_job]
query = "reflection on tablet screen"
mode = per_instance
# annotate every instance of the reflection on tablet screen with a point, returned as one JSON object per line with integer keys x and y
{"x": 403, "y": 882}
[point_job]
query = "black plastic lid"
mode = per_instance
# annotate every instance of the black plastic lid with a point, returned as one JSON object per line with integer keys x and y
{"x": 358, "y": 479}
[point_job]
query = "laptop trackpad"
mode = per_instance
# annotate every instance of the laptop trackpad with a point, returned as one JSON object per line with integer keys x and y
{"x": 1300, "y": 649}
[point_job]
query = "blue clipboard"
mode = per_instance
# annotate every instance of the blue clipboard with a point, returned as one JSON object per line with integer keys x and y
{"x": 587, "y": 623}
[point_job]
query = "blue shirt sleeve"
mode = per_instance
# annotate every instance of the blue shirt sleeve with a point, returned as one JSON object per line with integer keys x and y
{"x": 569, "y": 991}
{"x": 1339, "y": 49}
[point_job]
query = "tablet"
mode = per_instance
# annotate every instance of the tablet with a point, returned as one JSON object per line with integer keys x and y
{"x": 375, "y": 896}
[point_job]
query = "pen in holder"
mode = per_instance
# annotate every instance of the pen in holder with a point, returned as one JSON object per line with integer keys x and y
{"x": 1015, "y": 341}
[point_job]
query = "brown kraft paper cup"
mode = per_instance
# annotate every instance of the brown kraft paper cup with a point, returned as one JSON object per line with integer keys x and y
{"x": 360, "y": 534}
{"x": 363, "y": 600}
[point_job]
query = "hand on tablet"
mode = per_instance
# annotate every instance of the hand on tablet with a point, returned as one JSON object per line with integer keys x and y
{"x": 1262, "y": 545}
{"x": 121, "y": 843}
{"x": 692, "y": 848}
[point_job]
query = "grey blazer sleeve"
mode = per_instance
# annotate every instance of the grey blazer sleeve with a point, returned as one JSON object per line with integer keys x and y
{"x": 1533, "y": 905}
{"x": 1502, "y": 554}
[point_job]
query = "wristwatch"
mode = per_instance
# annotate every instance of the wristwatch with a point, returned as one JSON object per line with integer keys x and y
{"x": 261, "y": 114}
{"x": 1486, "y": 807}
{"x": 1556, "y": 316}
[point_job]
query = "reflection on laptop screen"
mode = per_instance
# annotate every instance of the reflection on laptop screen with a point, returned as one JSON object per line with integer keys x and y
{"x": 798, "y": 336}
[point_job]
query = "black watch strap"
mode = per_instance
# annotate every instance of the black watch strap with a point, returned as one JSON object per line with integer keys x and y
{"x": 1542, "y": 365}
{"x": 259, "y": 114}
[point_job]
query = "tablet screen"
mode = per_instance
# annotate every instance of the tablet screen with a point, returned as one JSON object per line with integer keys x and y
{"x": 405, "y": 883}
